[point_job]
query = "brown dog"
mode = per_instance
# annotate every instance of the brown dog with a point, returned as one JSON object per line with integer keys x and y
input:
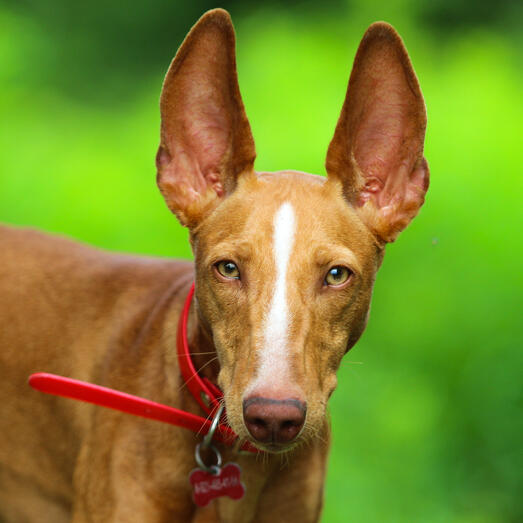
{"x": 284, "y": 269}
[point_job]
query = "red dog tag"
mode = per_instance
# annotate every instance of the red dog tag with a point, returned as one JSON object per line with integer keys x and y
{"x": 208, "y": 486}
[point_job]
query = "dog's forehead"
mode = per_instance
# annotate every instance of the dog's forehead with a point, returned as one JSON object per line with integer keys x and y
{"x": 320, "y": 214}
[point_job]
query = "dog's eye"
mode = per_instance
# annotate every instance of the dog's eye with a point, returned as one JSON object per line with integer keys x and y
{"x": 228, "y": 269}
{"x": 337, "y": 275}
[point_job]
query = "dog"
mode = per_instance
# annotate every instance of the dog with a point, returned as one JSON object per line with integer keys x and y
{"x": 284, "y": 267}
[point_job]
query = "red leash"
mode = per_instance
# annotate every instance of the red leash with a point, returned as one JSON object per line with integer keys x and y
{"x": 113, "y": 399}
{"x": 203, "y": 390}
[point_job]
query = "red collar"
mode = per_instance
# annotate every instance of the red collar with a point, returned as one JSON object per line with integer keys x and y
{"x": 203, "y": 390}
{"x": 206, "y": 393}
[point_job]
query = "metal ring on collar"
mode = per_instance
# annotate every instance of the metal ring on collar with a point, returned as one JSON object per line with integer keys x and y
{"x": 207, "y": 444}
{"x": 213, "y": 469}
{"x": 208, "y": 437}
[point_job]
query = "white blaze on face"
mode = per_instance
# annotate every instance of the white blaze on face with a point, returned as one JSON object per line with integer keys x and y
{"x": 273, "y": 368}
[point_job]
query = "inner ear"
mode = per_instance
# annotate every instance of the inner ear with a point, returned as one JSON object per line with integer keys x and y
{"x": 377, "y": 148}
{"x": 206, "y": 140}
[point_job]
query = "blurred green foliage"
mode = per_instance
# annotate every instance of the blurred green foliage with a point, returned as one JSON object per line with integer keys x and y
{"x": 427, "y": 422}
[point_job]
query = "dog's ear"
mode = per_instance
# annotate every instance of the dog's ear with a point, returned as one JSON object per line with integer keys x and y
{"x": 377, "y": 148}
{"x": 206, "y": 141}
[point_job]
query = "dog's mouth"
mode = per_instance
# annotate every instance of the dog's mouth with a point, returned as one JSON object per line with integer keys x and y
{"x": 274, "y": 448}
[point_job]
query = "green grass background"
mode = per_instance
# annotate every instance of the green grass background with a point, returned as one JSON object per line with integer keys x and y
{"x": 427, "y": 421}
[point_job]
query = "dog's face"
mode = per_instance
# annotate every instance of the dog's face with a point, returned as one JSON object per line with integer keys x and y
{"x": 285, "y": 270}
{"x": 285, "y": 262}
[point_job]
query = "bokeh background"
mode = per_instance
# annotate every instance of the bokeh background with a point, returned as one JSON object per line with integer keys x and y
{"x": 427, "y": 421}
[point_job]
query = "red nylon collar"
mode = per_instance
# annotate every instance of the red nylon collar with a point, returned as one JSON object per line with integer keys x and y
{"x": 204, "y": 391}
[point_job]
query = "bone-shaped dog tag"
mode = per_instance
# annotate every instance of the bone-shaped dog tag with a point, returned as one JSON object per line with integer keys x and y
{"x": 223, "y": 482}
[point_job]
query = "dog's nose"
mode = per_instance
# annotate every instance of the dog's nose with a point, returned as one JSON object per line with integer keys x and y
{"x": 273, "y": 420}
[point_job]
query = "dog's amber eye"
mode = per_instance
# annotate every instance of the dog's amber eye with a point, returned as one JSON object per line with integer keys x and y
{"x": 337, "y": 275}
{"x": 228, "y": 269}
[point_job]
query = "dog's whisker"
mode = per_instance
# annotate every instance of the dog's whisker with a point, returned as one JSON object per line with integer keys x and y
{"x": 189, "y": 354}
{"x": 197, "y": 372}
{"x": 209, "y": 417}
{"x": 285, "y": 460}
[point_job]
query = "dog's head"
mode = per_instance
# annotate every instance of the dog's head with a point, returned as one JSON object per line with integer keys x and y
{"x": 286, "y": 261}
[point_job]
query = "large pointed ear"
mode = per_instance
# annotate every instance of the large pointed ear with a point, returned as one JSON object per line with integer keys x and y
{"x": 377, "y": 148}
{"x": 206, "y": 140}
